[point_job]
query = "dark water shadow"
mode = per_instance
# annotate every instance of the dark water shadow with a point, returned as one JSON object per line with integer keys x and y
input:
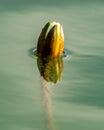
{"x": 14, "y": 5}
{"x": 66, "y": 53}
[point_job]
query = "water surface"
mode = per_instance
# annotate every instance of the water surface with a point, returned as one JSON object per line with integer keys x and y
{"x": 78, "y": 99}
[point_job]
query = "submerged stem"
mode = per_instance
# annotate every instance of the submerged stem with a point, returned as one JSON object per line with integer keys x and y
{"x": 45, "y": 88}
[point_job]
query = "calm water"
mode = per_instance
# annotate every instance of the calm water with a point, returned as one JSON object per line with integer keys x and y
{"x": 77, "y": 101}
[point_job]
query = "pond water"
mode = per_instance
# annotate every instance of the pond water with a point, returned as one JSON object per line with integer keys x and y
{"x": 77, "y": 100}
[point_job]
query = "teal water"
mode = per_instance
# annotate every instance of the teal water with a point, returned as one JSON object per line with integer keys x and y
{"x": 77, "y": 101}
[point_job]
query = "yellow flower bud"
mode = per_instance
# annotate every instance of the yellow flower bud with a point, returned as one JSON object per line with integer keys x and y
{"x": 51, "y": 41}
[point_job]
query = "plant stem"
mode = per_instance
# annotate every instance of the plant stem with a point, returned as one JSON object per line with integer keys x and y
{"x": 45, "y": 88}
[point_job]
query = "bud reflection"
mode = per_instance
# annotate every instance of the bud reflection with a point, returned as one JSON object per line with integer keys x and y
{"x": 50, "y": 69}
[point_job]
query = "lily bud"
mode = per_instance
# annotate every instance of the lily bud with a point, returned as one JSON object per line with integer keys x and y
{"x": 51, "y": 41}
